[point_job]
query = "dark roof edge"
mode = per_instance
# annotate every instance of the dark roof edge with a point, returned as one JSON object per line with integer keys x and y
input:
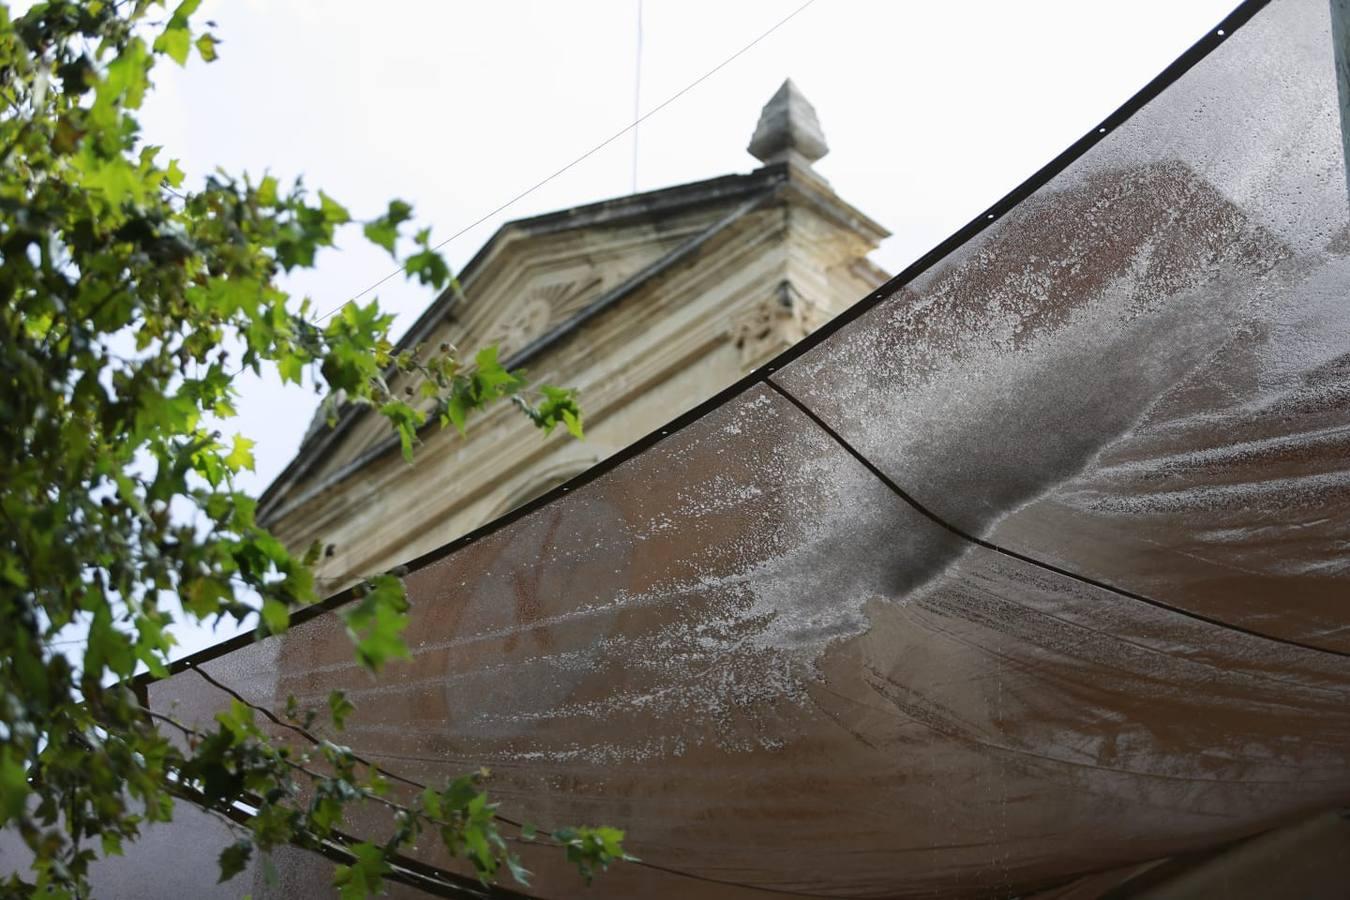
{"x": 1193, "y": 55}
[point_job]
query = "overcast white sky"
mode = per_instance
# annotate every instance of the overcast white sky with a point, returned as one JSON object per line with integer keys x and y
{"x": 932, "y": 111}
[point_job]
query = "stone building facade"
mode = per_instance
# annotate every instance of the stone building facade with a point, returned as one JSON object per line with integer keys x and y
{"x": 647, "y": 304}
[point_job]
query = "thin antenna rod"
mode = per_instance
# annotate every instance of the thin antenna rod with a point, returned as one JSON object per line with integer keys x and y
{"x": 637, "y": 94}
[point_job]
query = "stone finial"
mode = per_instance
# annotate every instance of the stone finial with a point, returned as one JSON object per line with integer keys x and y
{"x": 788, "y": 129}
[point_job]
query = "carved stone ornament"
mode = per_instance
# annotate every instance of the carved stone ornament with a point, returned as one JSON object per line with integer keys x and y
{"x": 774, "y": 324}
{"x": 547, "y": 304}
{"x": 515, "y": 332}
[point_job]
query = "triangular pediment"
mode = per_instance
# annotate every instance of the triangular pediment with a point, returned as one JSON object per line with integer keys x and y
{"x": 535, "y": 283}
{"x": 532, "y": 279}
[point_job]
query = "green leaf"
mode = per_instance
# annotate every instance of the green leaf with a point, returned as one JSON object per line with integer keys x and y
{"x": 107, "y": 647}
{"x": 117, "y": 179}
{"x": 611, "y": 839}
{"x": 431, "y": 802}
{"x": 14, "y": 789}
{"x": 428, "y": 267}
{"x": 364, "y": 876}
{"x": 241, "y": 454}
{"x": 267, "y": 191}
{"x": 12, "y": 571}
{"x": 332, "y": 210}
{"x": 325, "y": 812}
{"x": 203, "y": 595}
{"x": 573, "y": 422}
{"x": 490, "y": 371}
{"x": 558, "y": 405}
{"x": 176, "y": 41}
{"x": 125, "y": 80}
{"x": 291, "y": 367}
{"x": 377, "y": 623}
{"x": 183, "y": 12}
{"x": 340, "y": 707}
{"x": 237, "y": 721}
{"x": 298, "y": 585}
{"x": 383, "y": 230}
{"x": 206, "y": 46}
{"x": 174, "y": 175}
{"x": 461, "y": 792}
{"x": 275, "y": 616}
{"x": 234, "y": 859}
{"x": 456, "y": 410}
{"x": 406, "y": 421}
{"x": 518, "y": 871}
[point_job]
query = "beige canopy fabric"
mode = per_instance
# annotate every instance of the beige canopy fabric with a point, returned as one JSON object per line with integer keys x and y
{"x": 1035, "y": 568}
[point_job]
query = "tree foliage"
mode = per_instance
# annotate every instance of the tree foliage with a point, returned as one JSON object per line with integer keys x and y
{"x": 130, "y": 300}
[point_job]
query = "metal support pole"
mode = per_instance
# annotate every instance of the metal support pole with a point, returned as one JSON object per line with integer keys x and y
{"x": 1340, "y": 38}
